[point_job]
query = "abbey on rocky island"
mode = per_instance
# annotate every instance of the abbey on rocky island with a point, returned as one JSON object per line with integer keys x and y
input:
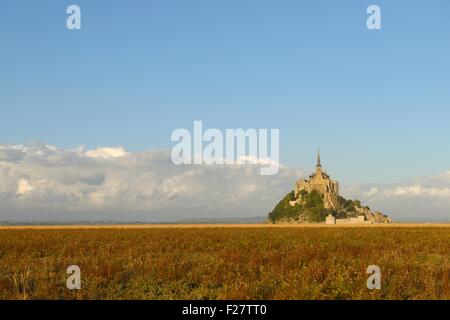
{"x": 317, "y": 199}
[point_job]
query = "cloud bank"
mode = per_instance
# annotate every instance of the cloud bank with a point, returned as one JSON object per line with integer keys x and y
{"x": 426, "y": 198}
{"x": 42, "y": 182}
{"x": 39, "y": 182}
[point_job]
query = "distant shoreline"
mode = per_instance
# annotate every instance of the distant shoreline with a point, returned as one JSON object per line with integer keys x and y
{"x": 201, "y": 226}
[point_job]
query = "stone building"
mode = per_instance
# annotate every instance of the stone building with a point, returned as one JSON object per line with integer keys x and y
{"x": 323, "y": 184}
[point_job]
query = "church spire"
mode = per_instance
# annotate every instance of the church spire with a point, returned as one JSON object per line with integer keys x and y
{"x": 318, "y": 165}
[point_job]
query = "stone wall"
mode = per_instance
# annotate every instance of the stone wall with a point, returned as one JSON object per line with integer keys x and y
{"x": 356, "y": 220}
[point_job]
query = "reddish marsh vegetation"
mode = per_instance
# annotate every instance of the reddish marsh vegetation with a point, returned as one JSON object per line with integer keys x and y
{"x": 226, "y": 263}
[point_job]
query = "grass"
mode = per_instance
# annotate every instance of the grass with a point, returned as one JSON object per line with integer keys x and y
{"x": 225, "y": 262}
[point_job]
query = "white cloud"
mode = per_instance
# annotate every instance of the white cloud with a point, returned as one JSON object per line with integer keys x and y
{"x": 373, "y": 191}
{"x": 413, "y": 190}
{"x": 107, "y": 153}
{"x": 24, "y": 187}
{"x": 418, "y": 190}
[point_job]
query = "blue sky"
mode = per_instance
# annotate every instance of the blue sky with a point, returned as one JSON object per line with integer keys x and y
{"x": 376, "y": 102}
